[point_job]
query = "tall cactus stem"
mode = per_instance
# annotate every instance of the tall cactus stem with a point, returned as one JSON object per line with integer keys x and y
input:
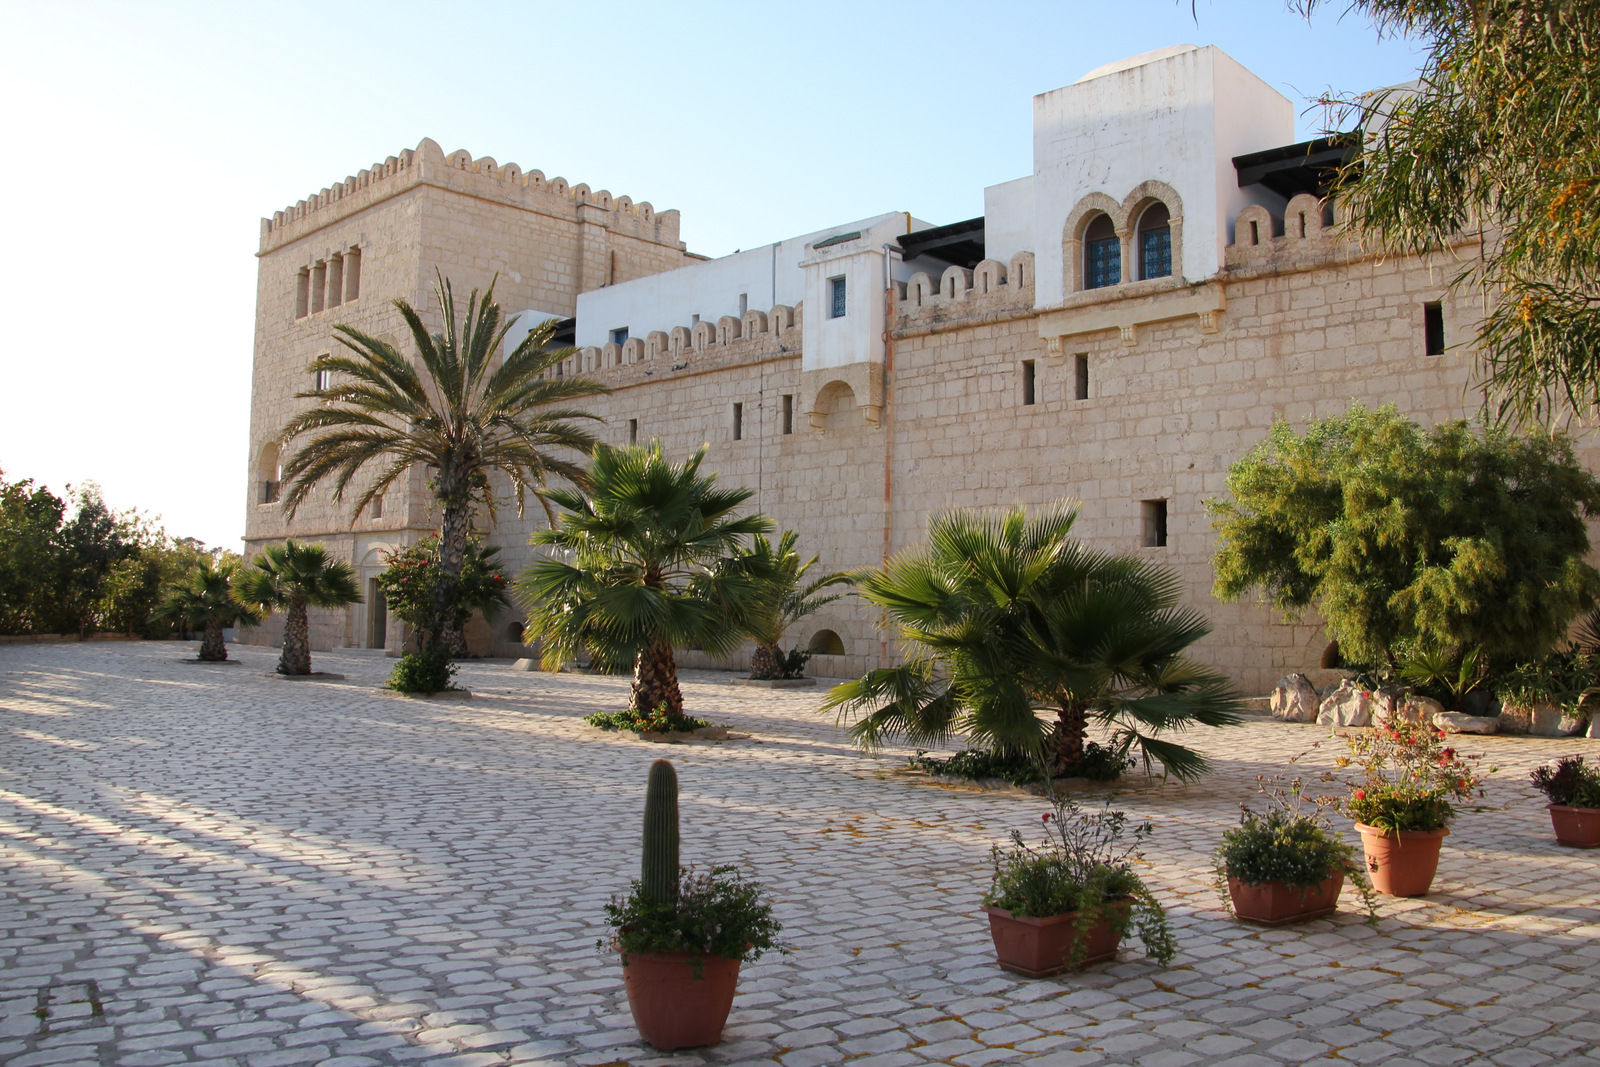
{"x": 659, "y": 873}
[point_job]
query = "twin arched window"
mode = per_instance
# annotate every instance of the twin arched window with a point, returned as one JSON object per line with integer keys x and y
{"x": 1152, "y": 248}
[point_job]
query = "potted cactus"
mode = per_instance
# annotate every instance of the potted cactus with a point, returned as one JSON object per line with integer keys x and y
{"x": 682, "y": 935}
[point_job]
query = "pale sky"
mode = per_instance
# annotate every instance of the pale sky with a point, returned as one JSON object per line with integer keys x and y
{"x": 147, "y": 139}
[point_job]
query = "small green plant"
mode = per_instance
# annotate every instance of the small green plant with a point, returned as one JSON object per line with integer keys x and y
{"x": 1408, "y": 776}
{"x": 1566, "y": 678}
{"x": 659, "y": 721}
{"x": 1101, "y": 763}
{"x": 1291, "y": 842}
{"x": 1570, "y": 783}
{"x": 1443, "y": 674}
{"x": 429, "y": 671}
{"x": 670, "y": 909}
{"x": 1085, "y": 865}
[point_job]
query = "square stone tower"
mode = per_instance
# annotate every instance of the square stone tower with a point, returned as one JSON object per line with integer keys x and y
{"x": 346, "y": 254}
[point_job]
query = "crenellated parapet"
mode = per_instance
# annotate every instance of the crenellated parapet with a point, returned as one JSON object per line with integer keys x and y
{"x": 990, "y": 290}
{"x": 1309, "y": 233}
{"x": 693, "y": 348}
{"x": 508, "y": 183}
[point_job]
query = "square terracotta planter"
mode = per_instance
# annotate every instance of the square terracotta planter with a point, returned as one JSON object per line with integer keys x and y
{"x": 1040, "y": 947}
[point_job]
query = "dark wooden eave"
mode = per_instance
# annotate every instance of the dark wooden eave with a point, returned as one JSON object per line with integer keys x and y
{"x": 958, "y": 243}
{"x": 1307, "y": 167}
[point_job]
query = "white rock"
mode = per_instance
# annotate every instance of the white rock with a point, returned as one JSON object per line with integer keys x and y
{"x": 1295, "y": 700}
{"x": 1347, "y": 705}
{"x": 1547, "y": 720}
{"x": 1458, "y": 723}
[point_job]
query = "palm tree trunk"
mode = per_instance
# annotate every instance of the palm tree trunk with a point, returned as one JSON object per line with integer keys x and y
{"x": 767, "y": 662}
{"x": 1065, "y": 756}
{"x": 655, "y": 681}
{"x": 296, "y": 655}
{"x": 212, "y": 648}
{"x": 453, "y": 533}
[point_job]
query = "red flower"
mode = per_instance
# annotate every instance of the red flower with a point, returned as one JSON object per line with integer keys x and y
{"x": 1361, "y": 794}
{"x": 1447, "y": 755}
{"x": 1045, "y": 816}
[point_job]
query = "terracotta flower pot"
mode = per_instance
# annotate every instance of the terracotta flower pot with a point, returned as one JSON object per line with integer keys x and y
{"x": 1278, "y": 904}
{"x": 1576, "y": 827}
{"x": 1039, "y": 948}
{"x": 679, "y": 1000}
{"x": 1403, "y": 863}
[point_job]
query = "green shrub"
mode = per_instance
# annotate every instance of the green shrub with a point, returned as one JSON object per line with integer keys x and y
{"x": 422, "y": 672}
{"x": 659, "y": 721}
{"x": 1101, "y": 763}
{"x": 719, "y": 913}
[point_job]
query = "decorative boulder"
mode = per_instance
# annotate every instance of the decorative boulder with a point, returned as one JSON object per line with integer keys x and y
{"x": 1389, "y": 706}
{"x": 1593, "y": 731}
{"x": 1295, "y": 700}
{"x": 1515, "y": 718}
{"x": 1458, "y": 723}
{"x": 1547, "y": 720}
{"x": 1347, "y": 705}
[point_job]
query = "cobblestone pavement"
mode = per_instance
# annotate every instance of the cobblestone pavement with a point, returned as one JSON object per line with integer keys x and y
{"x": 207, "y": 864}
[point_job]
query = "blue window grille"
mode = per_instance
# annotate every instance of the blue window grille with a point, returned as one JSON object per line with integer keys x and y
{"x": 836, "y": 298}
{"x": 1155, "y": 253}
{"x": 1104, "y": 263}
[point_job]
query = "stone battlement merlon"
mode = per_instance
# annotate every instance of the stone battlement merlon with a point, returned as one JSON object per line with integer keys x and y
{"x": 427, "y": 164}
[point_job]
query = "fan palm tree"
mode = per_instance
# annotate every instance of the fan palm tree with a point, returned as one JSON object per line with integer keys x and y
{"x": 458, "y": 416}
{"x": 204, "y": 598}
{"x": 631, "y": 578}
{"x": 294, "y": 576}
{"x": 781, "y": 596}
{"x": 1014, "y": 618}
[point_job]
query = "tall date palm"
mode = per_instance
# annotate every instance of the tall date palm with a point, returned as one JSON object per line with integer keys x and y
{"x": 452, "y": 411}
{"x": 1023, "y": 637}
{"x": 633, "y": 574}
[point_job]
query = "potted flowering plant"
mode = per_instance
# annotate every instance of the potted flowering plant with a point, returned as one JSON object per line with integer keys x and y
{"x": 1573, "y": 790}
{"x": 1401, "y": 801}
{"x": 1070, "y": 901}
{"x": 683, "y": 935}
{"x": 1286, "y": 865}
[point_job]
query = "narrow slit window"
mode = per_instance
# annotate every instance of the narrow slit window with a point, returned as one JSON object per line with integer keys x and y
{"x": 788, "y": 413}
{"x": 1433, "y": 328}
{"x": 1080, "y": 369}
{"x": 738, "y": 422}
{"x": 1154, "y": 513}
{"x": 837, "y": 298}
{"x": 633, "y": 431}
{"x": 321, "y": 380}
{"x": 1029, "y": 382}
{"x": 377, "y": 506}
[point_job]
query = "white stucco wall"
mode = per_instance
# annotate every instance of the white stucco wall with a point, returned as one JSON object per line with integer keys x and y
{"x": 522, "y": 324}
{"x": 1177, "y": 116}
{"x": 1008, "y": 219}
{"x": 768, "y": 276}
{"x": 857, "y": 336}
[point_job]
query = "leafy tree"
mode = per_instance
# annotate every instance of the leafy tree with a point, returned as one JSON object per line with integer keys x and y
{"x": 779, "y": 594}
{"x": 461, "y": 417}
{"x": 632, "y": 577}
{"x": 412, "y": 575}
{"x": 87, "y": 549}
{"x": 30, "y": 515}
{"x": 1500, "y": 140}
{"x": 1009, "y": 618}
{"x": 204, "y": 598}
{"x": 293, "y": 576}
{"x": 1409, "y": 539}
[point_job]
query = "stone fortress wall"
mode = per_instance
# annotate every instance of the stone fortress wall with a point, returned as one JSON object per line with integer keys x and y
{"x": 1133, "y": 398}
